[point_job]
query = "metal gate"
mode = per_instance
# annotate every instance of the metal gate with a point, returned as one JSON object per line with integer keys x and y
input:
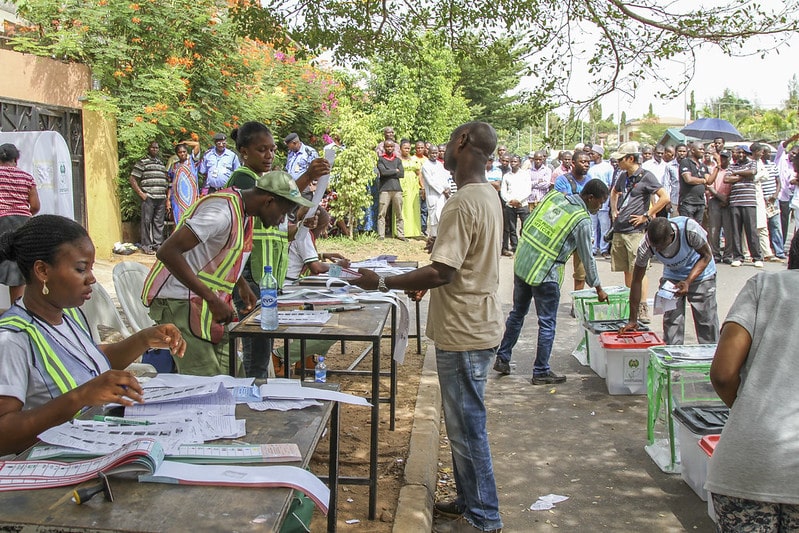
{"x": 28, "y": 116}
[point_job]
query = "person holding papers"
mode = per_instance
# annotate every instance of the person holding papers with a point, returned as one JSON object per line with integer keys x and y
{"x": 51, "y": 367}
{"x": 304, "y": 260}
{"x": 270, "y": 244}
{"x": 689, "y": 271}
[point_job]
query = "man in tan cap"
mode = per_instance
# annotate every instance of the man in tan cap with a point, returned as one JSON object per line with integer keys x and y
{"x": 632, "y": 207}
{"x": 191, "y": 283}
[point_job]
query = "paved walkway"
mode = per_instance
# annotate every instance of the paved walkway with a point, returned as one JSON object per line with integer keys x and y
{"x": 572, "y": 439}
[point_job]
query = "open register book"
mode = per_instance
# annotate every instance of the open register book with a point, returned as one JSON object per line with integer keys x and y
{"x": 147, "y": 456}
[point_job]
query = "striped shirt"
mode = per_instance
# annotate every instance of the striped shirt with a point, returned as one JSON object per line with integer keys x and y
{"x": 742, "y": 193}
{"x": 152, "y": 177}
{"x": 769, "y": 185}
{"x": 15, "y": 187}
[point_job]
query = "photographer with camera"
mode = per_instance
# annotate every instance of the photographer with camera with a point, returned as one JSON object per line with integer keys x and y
{"x": 631, "y": 209}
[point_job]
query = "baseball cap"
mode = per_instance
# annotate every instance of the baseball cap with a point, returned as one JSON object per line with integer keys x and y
{"x": 220, "y": 137}
{"x": 726, "y": 153}
{"x": 280, "y": 183}
{"x": 290, "y": 137}
{"x": 628, "y": 148}
{"x": 598, "y": 149}
{"x": 745, "y": 148}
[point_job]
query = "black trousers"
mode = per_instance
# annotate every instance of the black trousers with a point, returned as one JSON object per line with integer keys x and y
{"x": 152, "y": 222}
{"x": 745, "y": 219}
{"x": 510, "y": 238}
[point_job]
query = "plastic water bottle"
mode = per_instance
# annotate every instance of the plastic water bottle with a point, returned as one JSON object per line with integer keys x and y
{"x": 268, "y": 300}
{"x": 320, "y": 371}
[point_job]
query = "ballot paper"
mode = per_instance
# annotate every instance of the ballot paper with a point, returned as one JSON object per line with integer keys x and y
{"x": 319, "y": 193}
{"x": 243, "y": 476}
{"x": 299, "y": 318}
{"x": 185, "y": 380}
{"x": 101, "y": 439}
{"x": 665, "y": 298}
{"x": 210, "y": 398}
{"x": 279, "y": 391}
{"x": 281, "y": 405}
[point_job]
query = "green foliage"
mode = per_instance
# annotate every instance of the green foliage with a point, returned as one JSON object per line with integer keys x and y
{"x": 178, "y": 70}
{"x": 417, "y": 96}
{"x": 489, "y": 71}
{"x": 354, "y": 168}
{"x": 618, "y": 42}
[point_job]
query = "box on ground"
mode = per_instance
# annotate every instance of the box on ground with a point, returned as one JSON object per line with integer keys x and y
{"x": 596, "y": 354}
{"x": 627, "y": 359}
{"x": 694, "y": 422}
{"x": 708, "y": 445}
{"x": 588, "y": 307}
{"x": 678, "y": 375}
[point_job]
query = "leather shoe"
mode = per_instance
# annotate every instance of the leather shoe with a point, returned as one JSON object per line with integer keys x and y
{"x": 448, "y": 508}
{"x": 503, "y": 367}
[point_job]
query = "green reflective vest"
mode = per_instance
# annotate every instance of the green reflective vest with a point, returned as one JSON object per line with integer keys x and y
{"x": 543, "y": 235}
{"x": 270, "y": 246}
{"x": 60, "y": 370}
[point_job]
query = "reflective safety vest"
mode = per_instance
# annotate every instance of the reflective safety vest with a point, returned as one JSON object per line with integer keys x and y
{"x": 219, "y": 274}
{"x": 543, "y": 235}
{"x": 60, "y": 369}
{"x": 270, "y": 246}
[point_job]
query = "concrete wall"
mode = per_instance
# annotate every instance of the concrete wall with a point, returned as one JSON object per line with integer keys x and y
{"x": 45, "y": 81}
{"x": 101, "y": 169}
{"x": 31, "y": 78}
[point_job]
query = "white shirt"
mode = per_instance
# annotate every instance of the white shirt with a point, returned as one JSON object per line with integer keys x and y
{"x": 516, "y": 186}
{"x": 301, "y": 251}
{"x": 211, "y": 224}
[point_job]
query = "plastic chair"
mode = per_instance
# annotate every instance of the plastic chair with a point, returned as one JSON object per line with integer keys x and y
{"x": 128, "y": 281}
{"x": 100, "y": 310}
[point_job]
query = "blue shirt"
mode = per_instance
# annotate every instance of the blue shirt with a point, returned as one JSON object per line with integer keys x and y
{"x": 217, "y": 168}
{"x": 563, "y": 184}
{"x": 298, "y": 162}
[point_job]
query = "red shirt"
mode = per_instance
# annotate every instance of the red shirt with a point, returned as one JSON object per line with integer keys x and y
{"x": 15, "y": 186}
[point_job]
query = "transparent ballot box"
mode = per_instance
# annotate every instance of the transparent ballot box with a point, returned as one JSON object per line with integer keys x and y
{"x": 677, "y": 376}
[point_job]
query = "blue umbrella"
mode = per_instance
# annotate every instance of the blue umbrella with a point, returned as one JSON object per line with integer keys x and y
{"x": 706, "y": 129}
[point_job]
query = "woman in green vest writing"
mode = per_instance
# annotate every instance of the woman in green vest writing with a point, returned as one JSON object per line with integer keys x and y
{"x": 51, "y": 368}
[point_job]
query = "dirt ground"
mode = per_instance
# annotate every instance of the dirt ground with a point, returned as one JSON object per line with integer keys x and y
{"x": 353, "y": 500}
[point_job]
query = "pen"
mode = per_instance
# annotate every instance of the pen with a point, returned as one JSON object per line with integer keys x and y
{"x": 120, "y": 420}
{"x": 344, "y": 308}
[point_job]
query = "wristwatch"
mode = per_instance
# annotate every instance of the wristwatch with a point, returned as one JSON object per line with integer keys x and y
{"x": 381, "y": 284}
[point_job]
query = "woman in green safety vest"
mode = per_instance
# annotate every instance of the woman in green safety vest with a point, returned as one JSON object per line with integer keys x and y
{"x": 51, "y": 367}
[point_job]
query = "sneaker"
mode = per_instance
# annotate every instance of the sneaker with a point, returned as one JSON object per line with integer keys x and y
{"x": 548, "y": 379}
{"x": 759, "y": 264}
{"x": 503, "y": 367}
{"x": 736, "y": 263}
{"x": 448, "y": 508}
{"x": 507, "y": 253}
{"x": 643, "y": 313}
{"x": 460, "y": 525}
{"x": 605, "y": 255}
{"x": 727, "y": 261}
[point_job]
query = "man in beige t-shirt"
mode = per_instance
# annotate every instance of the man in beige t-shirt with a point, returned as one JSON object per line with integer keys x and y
{"x": 464, "y": 320}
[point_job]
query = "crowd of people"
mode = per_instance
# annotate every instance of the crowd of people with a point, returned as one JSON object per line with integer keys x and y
{"x": 480, "y": 206}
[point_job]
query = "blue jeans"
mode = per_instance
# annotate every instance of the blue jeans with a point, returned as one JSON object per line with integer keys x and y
{"x": 600, "y": 224}
{"x": 462, "y": 377}
{"x": 547, "y": 299}
{"x": 775, "y": 233}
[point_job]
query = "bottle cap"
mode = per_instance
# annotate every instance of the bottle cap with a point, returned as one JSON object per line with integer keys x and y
{"x": 267, "y": 270}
